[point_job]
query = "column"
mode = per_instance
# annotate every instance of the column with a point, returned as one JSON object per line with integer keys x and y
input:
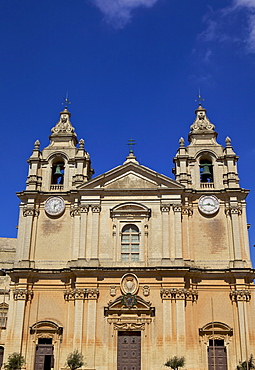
{"x": 83, "y": 230}
{"x": 165, "y": 208}
{"x": 78, "y": 323}
{"x": 29, "y": 213}
{"x": 187, "y": 211}
{"x": 95, "y": 231}
{"x": 180, "y": 326}
{"x": 235, "y": 211}
{"x": 75, "y": 214}
{"x": 242, "y": 297}
{"x": 14, "y": 333}
{"x": 178, "y": 230}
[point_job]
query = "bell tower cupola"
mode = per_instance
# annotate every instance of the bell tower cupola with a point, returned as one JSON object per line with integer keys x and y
{"x": 204, "y": 164}
{"x": 64, "y": 164}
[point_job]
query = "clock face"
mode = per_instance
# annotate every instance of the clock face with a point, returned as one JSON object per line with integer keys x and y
{"x": 54, "y": 206}
{"x": 208, "y": 204}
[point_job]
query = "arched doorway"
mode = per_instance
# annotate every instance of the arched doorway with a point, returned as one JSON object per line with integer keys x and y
{"x": 47, "y": 337}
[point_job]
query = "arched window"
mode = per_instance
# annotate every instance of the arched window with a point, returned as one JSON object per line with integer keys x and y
{"x": 58, "y": 169}
{"x": 206, "y": 170}
{"x": 130, "y": 238}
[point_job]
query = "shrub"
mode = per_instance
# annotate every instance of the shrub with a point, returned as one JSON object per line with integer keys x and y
{"x": 74, "y": 360}
{"x": 15, "y": 362}
{"x": 175, "y": 362}
{"x": 243, "y": 365}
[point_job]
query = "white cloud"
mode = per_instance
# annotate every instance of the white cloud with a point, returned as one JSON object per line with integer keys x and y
{"x": 119, "y": 12}
{"x": 232, "y": 24}
{"x": 249, "y": 5}
{"x": 246, "y": 3}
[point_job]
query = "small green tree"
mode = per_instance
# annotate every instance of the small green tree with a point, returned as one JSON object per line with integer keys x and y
{"x": 74, "y": 360}
{"x": 15, "y": 361}
{"x": 244, "y": 366}
{"x": 175, "y": 362}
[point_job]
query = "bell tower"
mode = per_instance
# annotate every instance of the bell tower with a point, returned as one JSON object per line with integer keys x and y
{"x": 61, "y": 166}
{"x": 205, "y": 164}
{"x": 217, "y": 203}
{"x": 54, "y": 175}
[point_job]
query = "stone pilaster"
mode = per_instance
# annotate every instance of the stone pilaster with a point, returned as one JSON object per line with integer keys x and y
{"x": 16, "y": 316}
{"x": 234, "y": 212}
{"x": 177, "y": 208}
{"x": 165, "y": 209}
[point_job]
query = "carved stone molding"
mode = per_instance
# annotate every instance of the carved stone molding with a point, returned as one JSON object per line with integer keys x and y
{"x": 240, "y": 295}
{"x": 113, "y": 290}
{"x": 165, "y": 207}
{"x": 34, "y": 180}
{"x": 96, "y": 208}
{"x": 187, "y": 210}
{"x": 146, "y": 290}
{"x": 146, "y": 228}
{"x": 86, "y": 293}
{"x": 233, "y": 210}
{"x": 129, "y": 284}
{"x": 134, "y": 305}
{"x": 84, "y": 208}
{"x": 179, "y": 294}
{"x": 30, "y": 211}
{"x": 130, "y": 210}
{"x": 78, "y": 179}
{"x": 63, "y": 125}
{"x": 22, "y": 294}
{"x": 177, "y": 208}
{"x": 76, "y": 209}
{"x": 216, "y": 330}
{"x": 201, "y": 123}
{"x": 130, "y": 324}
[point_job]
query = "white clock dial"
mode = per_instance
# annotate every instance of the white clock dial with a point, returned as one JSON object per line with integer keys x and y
{"x": 54, "y": 206}
{"x": 208, "y": 204}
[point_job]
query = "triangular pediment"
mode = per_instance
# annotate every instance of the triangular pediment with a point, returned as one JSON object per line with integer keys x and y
{"x": 131, "y": 176}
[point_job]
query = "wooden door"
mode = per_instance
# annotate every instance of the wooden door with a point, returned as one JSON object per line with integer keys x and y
{"x": 129, "y": 350}
{"x": 217, "y": 356}
{"x": 44, "y": 357}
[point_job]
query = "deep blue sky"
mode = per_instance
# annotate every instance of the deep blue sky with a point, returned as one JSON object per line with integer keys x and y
{"x": 130, "y": 72}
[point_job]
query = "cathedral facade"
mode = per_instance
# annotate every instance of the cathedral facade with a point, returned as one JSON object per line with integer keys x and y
{"x": 131, "y": 267}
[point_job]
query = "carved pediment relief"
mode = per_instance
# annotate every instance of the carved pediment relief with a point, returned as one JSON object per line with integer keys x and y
{"x": 46, "y": 326}
{"x": 131, "y": 176}
{"x": 138, "y": 307}
{"x": 131, "y": 181}
{"x": 216, "y": 328}
{"x": 130, "y": 209}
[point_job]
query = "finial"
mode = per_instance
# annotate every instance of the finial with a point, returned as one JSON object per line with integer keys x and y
{"x": 81, "y": 143}
{"x": 66, "y": 101}
{"x": 131, "y": 142}
{"x": 181, "y": 142}
{"x": 199, "y": 98}
{"x": 228, "y": 141}
{"x": 37, "y": 145}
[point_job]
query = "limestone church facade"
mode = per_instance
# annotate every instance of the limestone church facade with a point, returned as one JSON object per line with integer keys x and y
{"x": 130, "y": 267}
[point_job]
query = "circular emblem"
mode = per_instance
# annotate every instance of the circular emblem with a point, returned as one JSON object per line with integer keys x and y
{"x": 54, "y": 206}
{"x": 208, "y": 204}
{"x": 129, "y": 284}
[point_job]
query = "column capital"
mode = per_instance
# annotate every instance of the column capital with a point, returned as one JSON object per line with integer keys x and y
{"x": 81, "y": 294}
{"x": 179, "y": 294}
{"x": 30, "y": 211}
{"x": 177, "y": 208}
{"x": 240, "y": 295}
{"x": 22, "y": 294}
